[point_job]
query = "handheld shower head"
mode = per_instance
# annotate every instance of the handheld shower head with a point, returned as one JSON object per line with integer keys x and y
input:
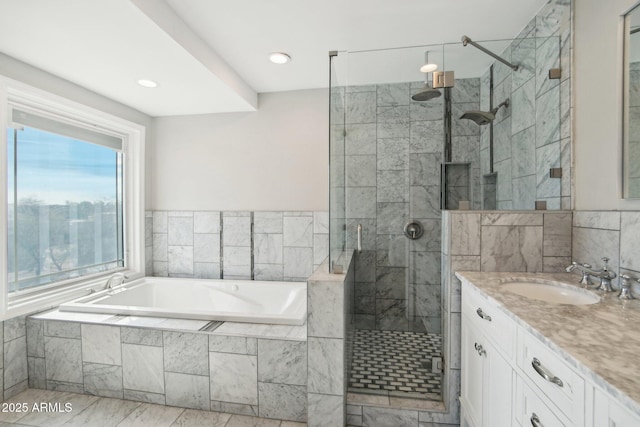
{"x": 480, "y": 117}
{"x": 484, "y": 117}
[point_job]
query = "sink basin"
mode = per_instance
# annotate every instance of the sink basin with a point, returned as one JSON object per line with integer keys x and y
{"x": 553, "y": 292}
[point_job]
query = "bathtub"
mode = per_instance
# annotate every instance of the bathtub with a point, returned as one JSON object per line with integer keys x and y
{"x": 252, "y": 301}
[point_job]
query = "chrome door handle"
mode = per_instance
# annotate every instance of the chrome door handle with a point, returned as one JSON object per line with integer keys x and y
{"x": 359, "y": 231}
{"x": 544, "y": 373}
{"x": 535, "y": 421}
{"x": 480, "y": 349}
{"x": 483, "y": 315}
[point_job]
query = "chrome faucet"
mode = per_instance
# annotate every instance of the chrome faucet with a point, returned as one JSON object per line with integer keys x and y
{"x": 115, "y": 276}
{"x": 604, "y": 274}
{"x": 585, "y": 270}
{"x": 625, "y": 286}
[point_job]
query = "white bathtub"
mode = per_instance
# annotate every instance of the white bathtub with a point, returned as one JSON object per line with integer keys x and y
{"x": 283, "y": 303}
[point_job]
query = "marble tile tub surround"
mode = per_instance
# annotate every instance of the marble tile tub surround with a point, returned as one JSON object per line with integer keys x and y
{"x": 587, "y": 337}
{"x": 237, "y": 245}
{"x": 13, "y": 357}
{"x": 239, "y": 373}
{"x": 329, "y": 323}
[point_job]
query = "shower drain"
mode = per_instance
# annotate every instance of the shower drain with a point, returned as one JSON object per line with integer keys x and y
{"x": 433, "y": 364}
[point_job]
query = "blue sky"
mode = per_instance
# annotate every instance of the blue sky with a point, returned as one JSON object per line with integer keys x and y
{"x": 56, "y": 169}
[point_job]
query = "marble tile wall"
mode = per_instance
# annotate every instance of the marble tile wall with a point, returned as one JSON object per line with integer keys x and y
{"x": 238, "y": 245}
{"x": 394, "y": 148}
{"x": 598, "y": 234}
{"x": 533, "y": 134}
{"x": 329, "y": 320}
{"x": 236, "y": 374}
{"x": 465, "y": 146}
{"x": 494, "y": 241}
{"x": 148, "y": 243}
{"x": 337, "y": 136}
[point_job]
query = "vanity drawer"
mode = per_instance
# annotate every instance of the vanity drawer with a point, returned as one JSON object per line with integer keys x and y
{"x": 535, "y": 410}
{"x": 552, "y": 375}
{"x": 489, "y": 319}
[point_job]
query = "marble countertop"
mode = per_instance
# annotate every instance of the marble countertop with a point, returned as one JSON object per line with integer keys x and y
{"x": 601, "y": 341}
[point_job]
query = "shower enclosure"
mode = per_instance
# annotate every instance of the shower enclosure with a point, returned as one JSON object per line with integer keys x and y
{"x": 397, "y": 158}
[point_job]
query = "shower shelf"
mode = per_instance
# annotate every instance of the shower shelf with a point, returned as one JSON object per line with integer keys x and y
{"x": 455, "y": 184}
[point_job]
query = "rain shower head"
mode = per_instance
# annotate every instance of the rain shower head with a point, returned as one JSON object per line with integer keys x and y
{"x": 426, "y": 93}
{"x": 484, "y": 117}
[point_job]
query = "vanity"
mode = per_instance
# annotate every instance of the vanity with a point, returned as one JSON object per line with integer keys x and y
{"x": 530, "y": 362}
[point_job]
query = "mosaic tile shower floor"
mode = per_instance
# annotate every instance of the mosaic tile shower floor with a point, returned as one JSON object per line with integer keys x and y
{"x": 395, "y": 364}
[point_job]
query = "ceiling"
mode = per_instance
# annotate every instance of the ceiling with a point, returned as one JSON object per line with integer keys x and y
{"x": 211, "y": 56}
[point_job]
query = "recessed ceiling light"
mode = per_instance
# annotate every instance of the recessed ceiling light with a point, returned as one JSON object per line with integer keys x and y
{"x": 279, "y": 58}
{"x": 147, "y": 83}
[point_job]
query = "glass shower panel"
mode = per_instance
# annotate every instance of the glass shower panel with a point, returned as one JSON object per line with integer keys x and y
{"x": 337, "y": 216}
{"x": 393, "y": 152}
{"x": 400, "y": 161}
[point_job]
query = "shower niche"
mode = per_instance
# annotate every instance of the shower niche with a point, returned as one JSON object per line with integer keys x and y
{"x": 456, "y": 186}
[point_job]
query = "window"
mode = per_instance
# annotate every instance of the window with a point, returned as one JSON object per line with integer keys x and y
{"x": 64, "y": 205}
{"x": 74, "y": 202}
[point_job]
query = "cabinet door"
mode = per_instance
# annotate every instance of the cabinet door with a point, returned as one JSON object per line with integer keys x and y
{"x": 607, "y": 412}
{"x": 498, "y": 381}
{"x": 472, "y": 360}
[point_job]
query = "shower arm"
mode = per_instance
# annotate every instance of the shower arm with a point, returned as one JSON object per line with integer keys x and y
{"x": 503, "y": 103}
{"x": 466, "y": 40}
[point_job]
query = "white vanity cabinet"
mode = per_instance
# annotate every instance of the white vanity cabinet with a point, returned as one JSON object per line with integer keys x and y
{"x": 608, "y": 412}
{"x": 554, "y": 379}
{"x": 516, "y": 374}
{"x": 511, "y": 378}
{"x": 487, "y": 377}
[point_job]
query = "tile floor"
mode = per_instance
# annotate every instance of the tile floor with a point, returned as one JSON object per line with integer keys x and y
{"x": 93, "y": 411}
{"x": 395, "y": 363}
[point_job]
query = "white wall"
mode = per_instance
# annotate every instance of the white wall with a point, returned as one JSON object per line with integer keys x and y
{"x": 598, "y": 104}
{"x": 25, "y": 73}
{"x": 272, "y": 159}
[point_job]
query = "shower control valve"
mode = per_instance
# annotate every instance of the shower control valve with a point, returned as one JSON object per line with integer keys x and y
{"x": 413, "y": 229}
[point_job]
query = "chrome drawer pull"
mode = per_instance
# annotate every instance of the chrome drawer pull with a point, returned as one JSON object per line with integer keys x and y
{"x": 544, "y": 373}
{"x": 481, "y": 351}
{"x": 535, "y": 421}
{"x": 483, "y": 315}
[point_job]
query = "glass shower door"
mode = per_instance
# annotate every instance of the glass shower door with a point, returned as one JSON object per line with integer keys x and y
{"x": 393, "y": 151}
